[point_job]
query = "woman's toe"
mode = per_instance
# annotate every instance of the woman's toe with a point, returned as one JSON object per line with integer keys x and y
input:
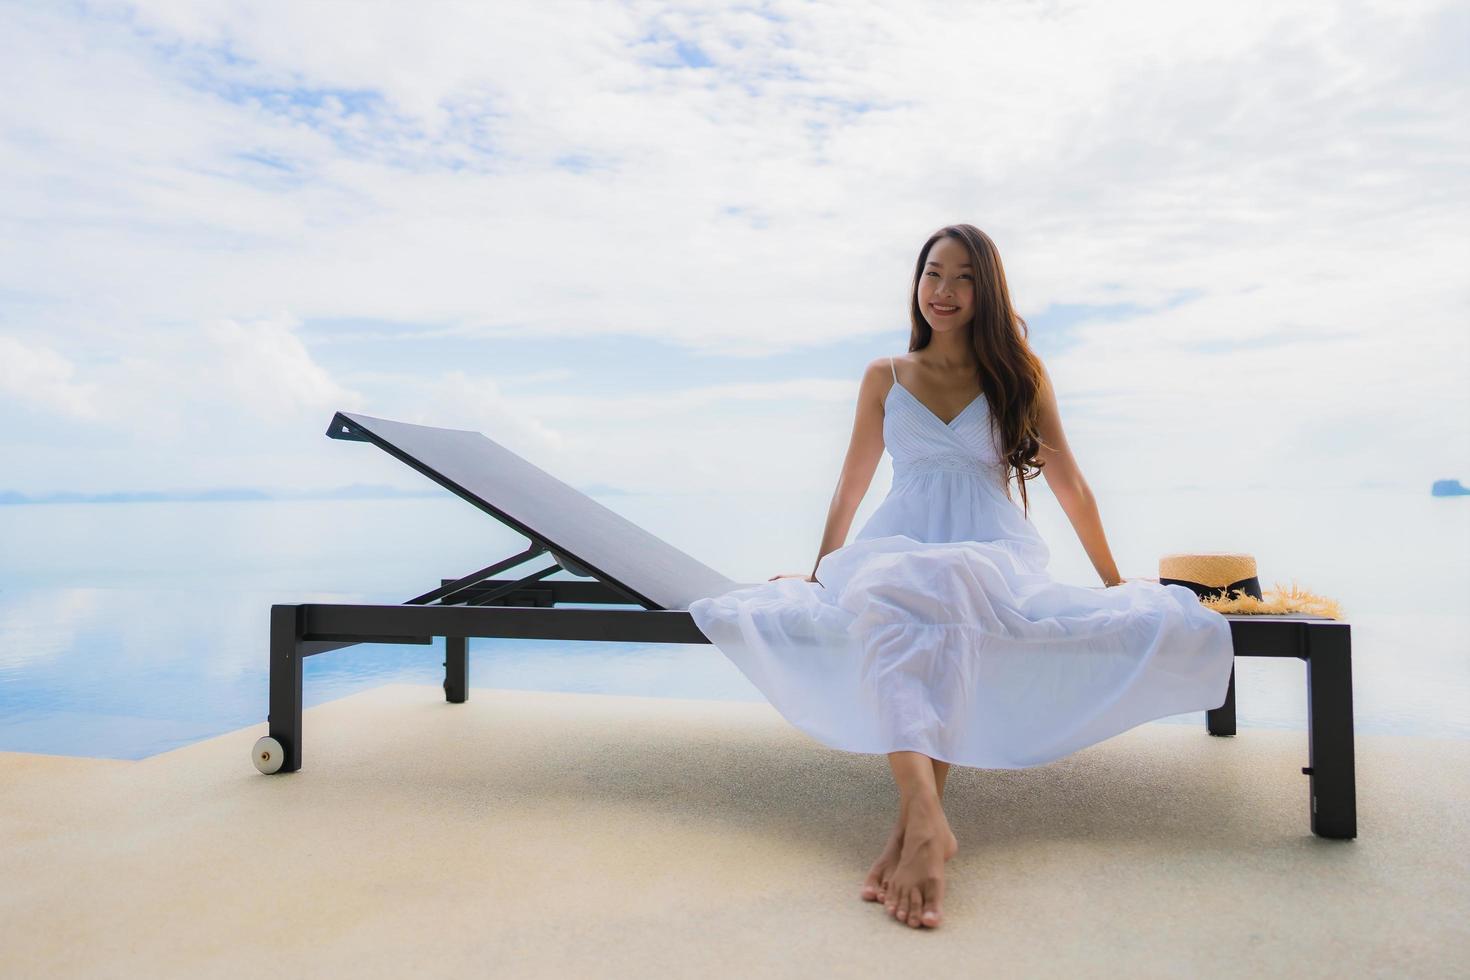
{"x": 932, "y": 915}
{"x": 916, "y": 907}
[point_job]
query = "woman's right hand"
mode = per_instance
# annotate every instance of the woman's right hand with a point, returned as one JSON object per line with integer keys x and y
{"x": 801, "y": 575}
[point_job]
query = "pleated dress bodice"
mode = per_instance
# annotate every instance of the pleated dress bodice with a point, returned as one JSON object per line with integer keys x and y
{"x": 949, "y": 481}
{"x": 920, "y": 442}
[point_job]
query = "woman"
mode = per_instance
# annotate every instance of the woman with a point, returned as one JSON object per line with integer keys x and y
{"x": 938, "y": 636}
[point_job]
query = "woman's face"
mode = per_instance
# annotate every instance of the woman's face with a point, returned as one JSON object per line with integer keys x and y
{"x": 947, "y": 286}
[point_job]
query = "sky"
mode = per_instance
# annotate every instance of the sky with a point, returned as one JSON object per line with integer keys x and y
{"x": 651, "y": 247}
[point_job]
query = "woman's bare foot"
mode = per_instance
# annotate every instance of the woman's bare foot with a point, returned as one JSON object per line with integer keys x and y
{"x": 878, "y": 874}
{"x": 915, "y": 888}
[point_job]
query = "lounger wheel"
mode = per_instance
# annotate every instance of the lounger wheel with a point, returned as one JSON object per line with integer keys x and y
{"x": 268, "y": 755}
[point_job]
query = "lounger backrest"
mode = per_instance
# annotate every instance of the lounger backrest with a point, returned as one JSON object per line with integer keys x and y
{"x": 578, "y": 530}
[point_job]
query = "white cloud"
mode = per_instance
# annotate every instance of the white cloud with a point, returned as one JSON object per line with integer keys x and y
{"x": 39, "y": 377}
{"x": 264, "y": 367}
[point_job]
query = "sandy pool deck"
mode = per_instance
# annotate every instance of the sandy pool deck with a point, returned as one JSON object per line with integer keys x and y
{"x": 539, "y": 834}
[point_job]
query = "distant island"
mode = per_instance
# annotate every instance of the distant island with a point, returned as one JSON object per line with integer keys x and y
{"x": 357, "y": 491}
{"x": 1448, "y": 488}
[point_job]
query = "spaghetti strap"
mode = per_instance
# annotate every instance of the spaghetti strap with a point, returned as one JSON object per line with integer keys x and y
{"x": 893, "y": 369}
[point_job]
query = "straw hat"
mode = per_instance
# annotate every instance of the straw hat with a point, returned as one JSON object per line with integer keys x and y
{"x": 1211, "y": 575}
{"x": 1227, "y": 583}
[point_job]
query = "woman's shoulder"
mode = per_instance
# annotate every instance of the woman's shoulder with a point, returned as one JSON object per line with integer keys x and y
{"x": 883, "y": 370}
{"x": 882, "y": 363}
{"x": 885, "y": 362}
{"x": 879, "y": 377}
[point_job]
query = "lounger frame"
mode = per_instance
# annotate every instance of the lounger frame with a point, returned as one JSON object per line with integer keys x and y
{"x": 481, "y": 604}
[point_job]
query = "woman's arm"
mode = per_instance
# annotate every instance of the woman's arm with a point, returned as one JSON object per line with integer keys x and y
{"x": 864, "y": 450}
{"x": 1070, "y": 488}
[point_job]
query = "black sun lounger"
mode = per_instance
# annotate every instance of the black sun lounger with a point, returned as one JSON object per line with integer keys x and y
{"x": 624, "y": 565}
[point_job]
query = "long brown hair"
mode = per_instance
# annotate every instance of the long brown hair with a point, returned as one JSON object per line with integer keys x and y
{"x": 1010, "y": 373}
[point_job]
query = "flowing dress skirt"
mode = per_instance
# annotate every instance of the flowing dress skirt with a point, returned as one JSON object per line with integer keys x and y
{"x": 938, "y": 630}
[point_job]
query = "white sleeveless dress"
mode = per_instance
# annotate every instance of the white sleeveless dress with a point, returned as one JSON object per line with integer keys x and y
{"x": 938, "y": 629}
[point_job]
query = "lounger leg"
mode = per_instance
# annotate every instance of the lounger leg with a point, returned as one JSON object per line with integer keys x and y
{"x": 456, "y": 670}
{"x": 1221, "y": 720}
{"x": 285, "y": 684}
{"x": 1330, "y": 732}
